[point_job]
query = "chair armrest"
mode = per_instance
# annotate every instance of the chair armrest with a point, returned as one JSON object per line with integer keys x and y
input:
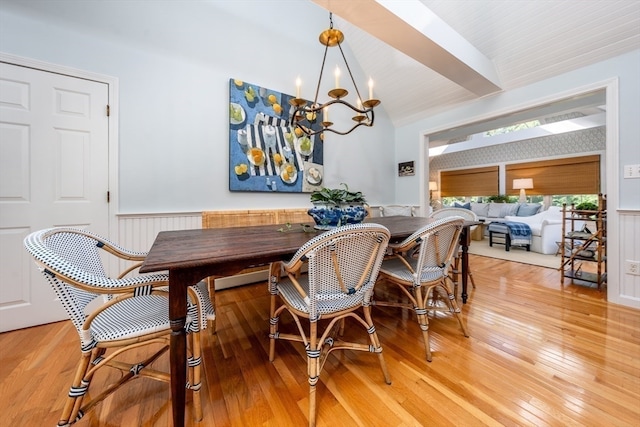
{"x": 119, "y": 251}
{"x": 106, "y": 285}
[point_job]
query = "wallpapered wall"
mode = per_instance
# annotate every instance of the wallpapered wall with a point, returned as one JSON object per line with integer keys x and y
{"x": 553, "y": 146}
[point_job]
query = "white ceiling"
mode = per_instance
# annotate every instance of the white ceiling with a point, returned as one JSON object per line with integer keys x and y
{"x": 518, "y": 42}
{"x": 526, "y": 40}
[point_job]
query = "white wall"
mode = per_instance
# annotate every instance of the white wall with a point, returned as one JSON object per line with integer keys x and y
{"x": 173, "y": 74}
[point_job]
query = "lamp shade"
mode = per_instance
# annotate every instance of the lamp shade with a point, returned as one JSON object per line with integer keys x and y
{"x": 433, "y": 185}
{"x": 523, "y": 184}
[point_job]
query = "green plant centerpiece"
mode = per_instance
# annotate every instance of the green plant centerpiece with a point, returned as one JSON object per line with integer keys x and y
{"x": 333, "y": 207}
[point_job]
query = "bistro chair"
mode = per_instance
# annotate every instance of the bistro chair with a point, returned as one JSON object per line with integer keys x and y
{"x": 456, "y": 270}
{"x": 134, "y": 312}
{"x": 343, "y": 265}
{"x": 419, "y": 267}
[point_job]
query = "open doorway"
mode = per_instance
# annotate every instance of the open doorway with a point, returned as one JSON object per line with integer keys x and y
{"x": 599, "y": 99}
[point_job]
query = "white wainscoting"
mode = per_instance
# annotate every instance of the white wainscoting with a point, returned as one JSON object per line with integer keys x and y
{"x": 628, "y": 225}
{"x": 137, "y": 232}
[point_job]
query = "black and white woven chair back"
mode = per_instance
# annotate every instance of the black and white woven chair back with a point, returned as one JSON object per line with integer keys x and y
{"x": 462, "y": 212}
{"x": 343, "y": 265}
{"x": 436, "y": 244}
{"x": 467, "y": 214}
{"x": 74, "y": 254}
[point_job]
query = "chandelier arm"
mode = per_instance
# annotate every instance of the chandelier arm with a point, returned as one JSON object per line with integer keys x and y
{"x": 349, "y": 71}
{"x": 302, "y": 111}
{"x": 319, "y": 107}
{"x": 324, "y": 58}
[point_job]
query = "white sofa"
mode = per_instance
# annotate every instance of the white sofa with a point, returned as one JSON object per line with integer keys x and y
{"x": 546, "y": 229}
{"x": 489, "y": 212}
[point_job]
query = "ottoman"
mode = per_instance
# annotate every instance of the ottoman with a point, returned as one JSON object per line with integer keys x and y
{"x": 511, "y": 234}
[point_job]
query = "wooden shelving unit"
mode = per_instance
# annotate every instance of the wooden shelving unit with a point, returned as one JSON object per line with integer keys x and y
{"x": 584, "y": 240}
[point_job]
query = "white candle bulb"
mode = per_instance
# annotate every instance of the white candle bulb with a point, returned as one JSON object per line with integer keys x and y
{"x": 370, "y": 88}
{"x": 337, "y": 74}
{"x": 326, "y": 114}
{"x": 298, "y": 84}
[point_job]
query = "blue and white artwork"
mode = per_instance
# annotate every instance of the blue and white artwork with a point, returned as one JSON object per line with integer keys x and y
{"x": 265, "y": 152}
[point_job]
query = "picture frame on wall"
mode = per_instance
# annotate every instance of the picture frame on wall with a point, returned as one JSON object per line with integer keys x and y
{"x": 267, "y": 154}
{"x": 406, "y": 169}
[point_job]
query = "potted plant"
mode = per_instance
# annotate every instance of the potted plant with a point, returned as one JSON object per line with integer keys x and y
{"x": 586, "y": 209}
{"x": 499, "y": 198}
{"x": 586, "y": 206}
{"x": 333, "y": 207}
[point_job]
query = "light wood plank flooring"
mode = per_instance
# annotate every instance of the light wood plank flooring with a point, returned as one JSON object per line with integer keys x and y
{"x": 537, "y": 355}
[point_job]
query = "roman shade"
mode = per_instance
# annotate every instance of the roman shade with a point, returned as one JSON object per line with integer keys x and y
{"x": 470, "y": 182}
{"x": 574, "y": 175}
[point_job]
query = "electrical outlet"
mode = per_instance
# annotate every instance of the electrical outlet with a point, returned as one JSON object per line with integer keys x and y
{"x": 632, "y": 267}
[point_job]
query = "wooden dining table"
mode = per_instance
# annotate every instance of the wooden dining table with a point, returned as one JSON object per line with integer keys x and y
{"x": 192, "y": 255}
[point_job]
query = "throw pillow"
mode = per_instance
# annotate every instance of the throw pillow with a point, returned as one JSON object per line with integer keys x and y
{"x": 495, "y": 210}
{"x": 464, "y": 206}
{"x": 510, "y": 209}
{"x": 480, "y": 209}
{"x": 528, "y": 210}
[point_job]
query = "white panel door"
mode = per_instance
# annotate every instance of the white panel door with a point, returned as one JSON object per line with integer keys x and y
{"x": 53, "y": 172}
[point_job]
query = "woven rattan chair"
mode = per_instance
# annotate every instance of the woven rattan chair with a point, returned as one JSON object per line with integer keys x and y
{"x": 419, "y": 267}
{"x": 456, "y": 269}
{"x": 343, "y": 265}
{"x": 135, "y": 312}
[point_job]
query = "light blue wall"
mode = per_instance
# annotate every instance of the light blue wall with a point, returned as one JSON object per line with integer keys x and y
{"x": 626, "y": 68}
{"x": 173, "y": 89}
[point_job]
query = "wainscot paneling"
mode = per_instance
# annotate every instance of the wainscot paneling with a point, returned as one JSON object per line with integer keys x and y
{"x": 629, "y": 226}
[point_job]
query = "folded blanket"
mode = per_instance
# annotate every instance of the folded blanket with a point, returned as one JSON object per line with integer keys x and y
{"x": 519, "y": 232}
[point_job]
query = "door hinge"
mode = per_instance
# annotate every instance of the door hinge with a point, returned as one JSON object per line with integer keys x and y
{"x": 108, "y": 110}
{"x": 108, "y": 196}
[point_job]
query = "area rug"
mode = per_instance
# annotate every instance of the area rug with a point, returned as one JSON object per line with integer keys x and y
{"x": 516, "y": 254}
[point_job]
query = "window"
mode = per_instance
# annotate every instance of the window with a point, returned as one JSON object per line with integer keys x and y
{"x": 467, "y": 182}
{"x": 574, "y": 175}
{"x": 513, "y": 128}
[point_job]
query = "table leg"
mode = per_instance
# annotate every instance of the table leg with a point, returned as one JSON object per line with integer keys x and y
{"x": 465, "y": 237}
{"x": 178, "y": 284}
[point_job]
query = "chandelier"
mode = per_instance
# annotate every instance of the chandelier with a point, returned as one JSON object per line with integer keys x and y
{"x": 304, "y": 115}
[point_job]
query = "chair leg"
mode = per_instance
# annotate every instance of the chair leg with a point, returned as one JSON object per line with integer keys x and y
{"x": 77, "y": 391}
{"x": 273, "y": 328}
{"x": 470, "y": 274}
{"x": 375, "y": 342}
{"x": 211, "y": 287}
{"x": 195, "y": 367}
{"x": 313, "y": 370}
{"x": 423, "y": 319}
{"x": 454, "y": 308}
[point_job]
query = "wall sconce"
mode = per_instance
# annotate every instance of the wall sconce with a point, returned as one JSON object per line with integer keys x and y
{"x": 523, "y": 184}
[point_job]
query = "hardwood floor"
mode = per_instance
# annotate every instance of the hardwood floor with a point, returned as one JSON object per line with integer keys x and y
{"x": 537, "y": 355}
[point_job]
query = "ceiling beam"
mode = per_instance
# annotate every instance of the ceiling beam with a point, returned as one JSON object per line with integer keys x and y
{"x": 410, "y": 27}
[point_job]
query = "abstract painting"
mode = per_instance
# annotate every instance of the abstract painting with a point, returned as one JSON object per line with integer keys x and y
{"x": 266, "y": 154}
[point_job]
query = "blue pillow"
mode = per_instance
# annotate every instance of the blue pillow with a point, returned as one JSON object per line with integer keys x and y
{"x": 465, "y": 206}
{"x": 528, "y": 210}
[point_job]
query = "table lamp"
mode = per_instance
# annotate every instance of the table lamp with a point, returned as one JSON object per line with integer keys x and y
{"x": 523, "y": 184}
